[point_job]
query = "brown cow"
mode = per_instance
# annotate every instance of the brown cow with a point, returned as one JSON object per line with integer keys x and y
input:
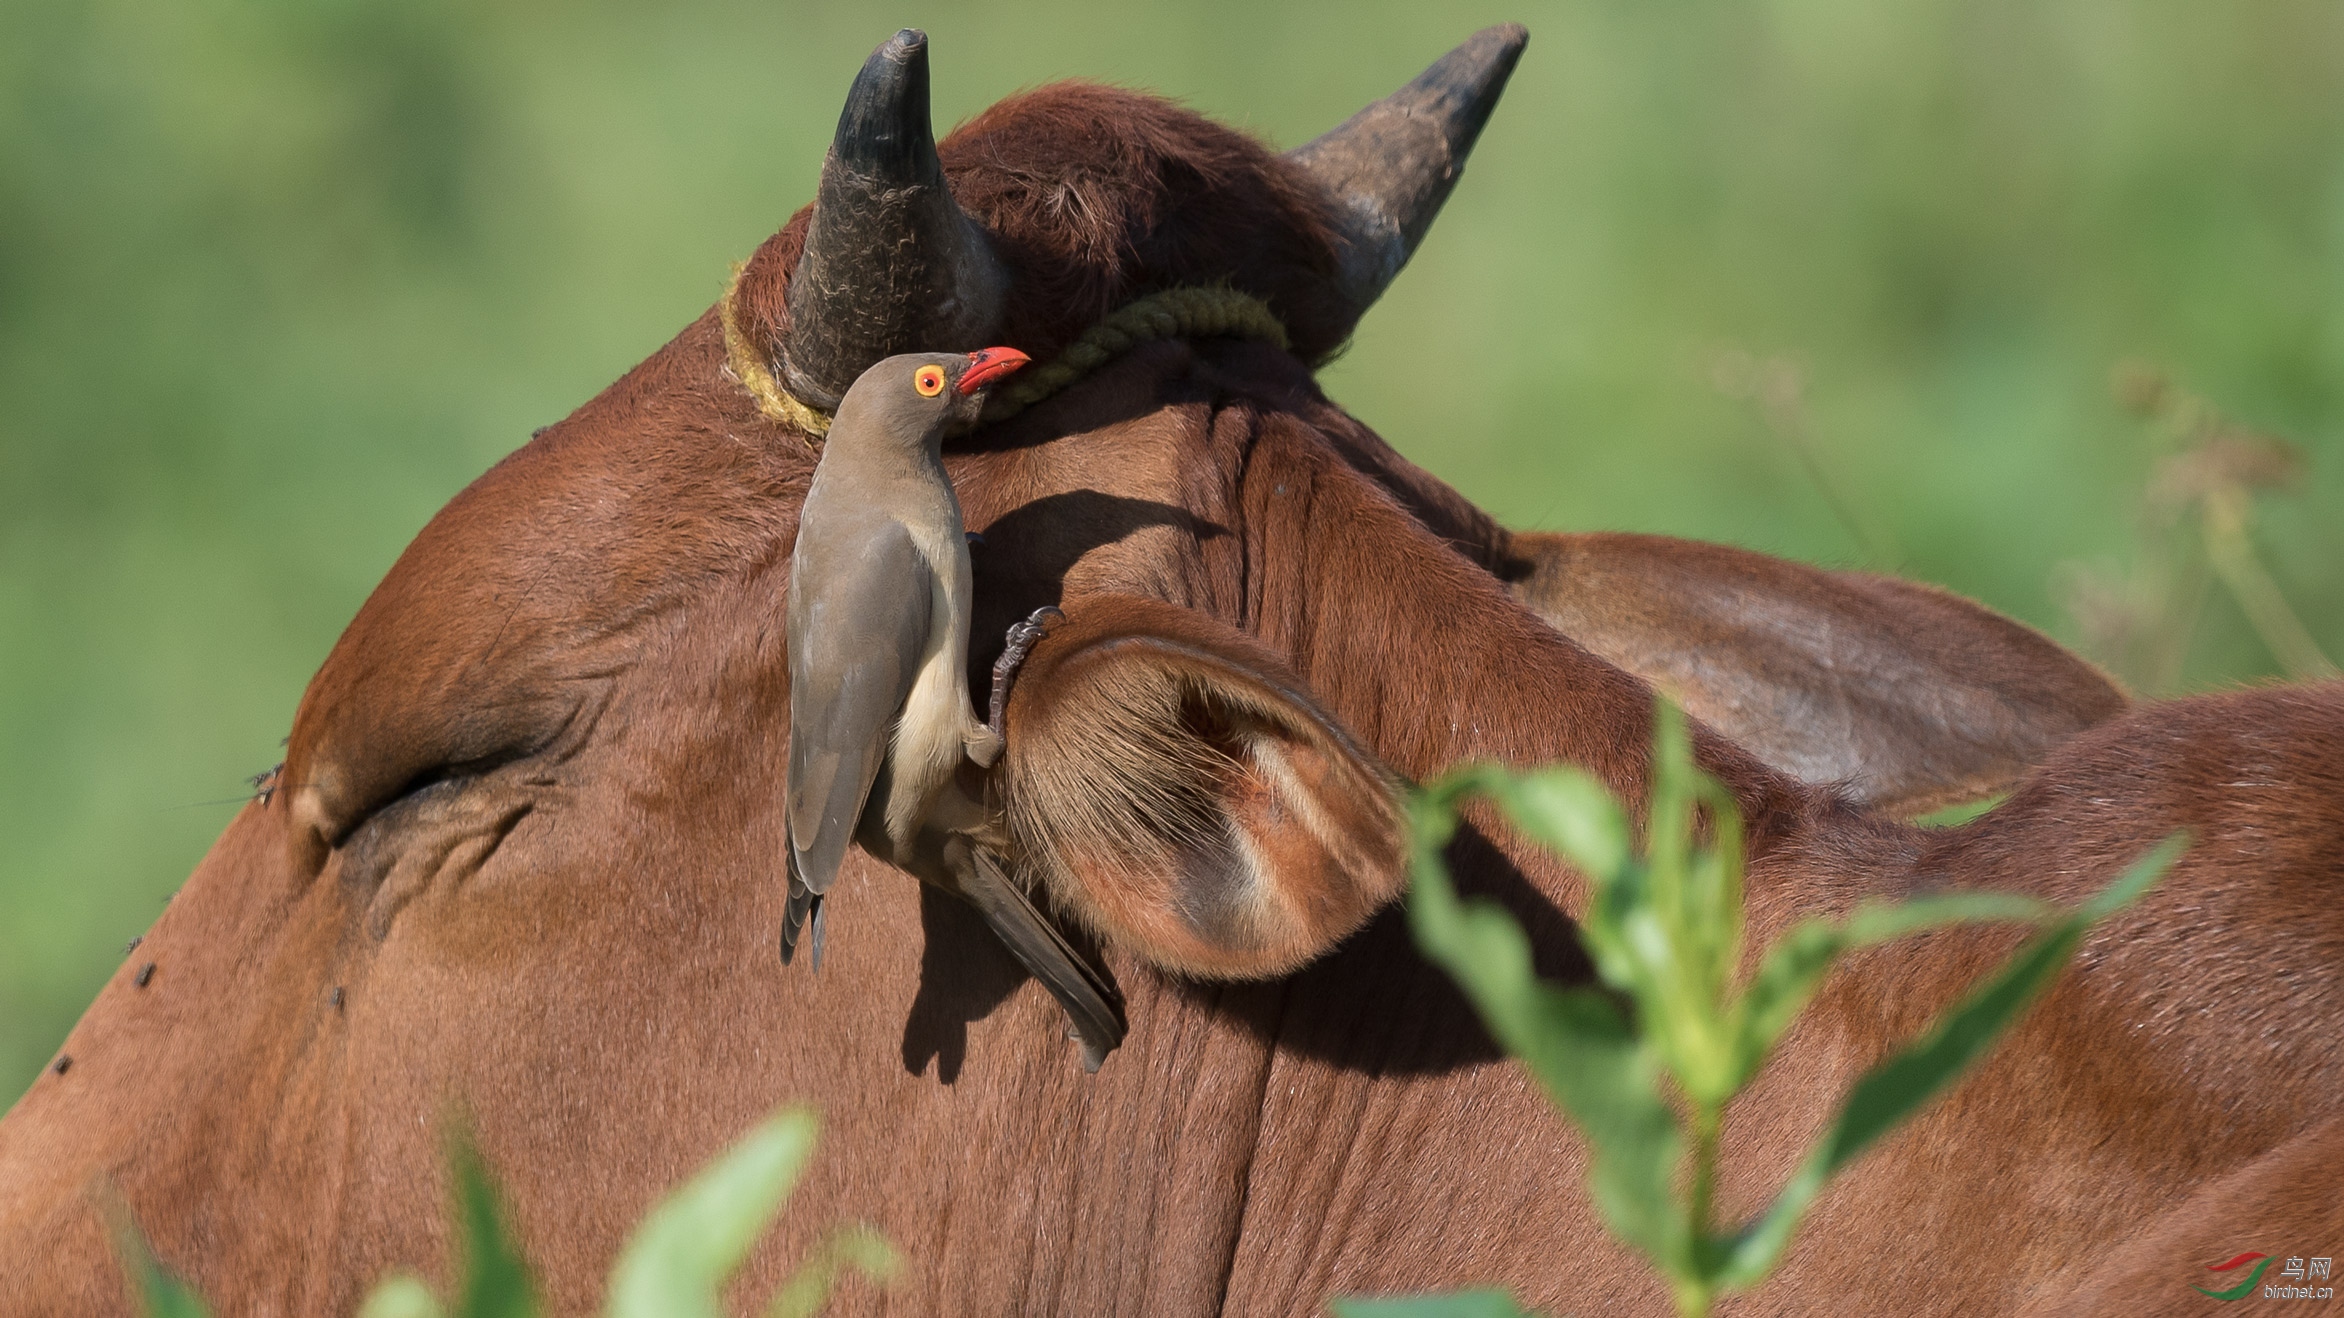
{"x": 524, "y": 858}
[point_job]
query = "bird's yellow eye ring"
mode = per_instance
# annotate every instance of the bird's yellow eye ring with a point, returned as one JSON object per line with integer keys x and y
{"x": 929, "y": 380}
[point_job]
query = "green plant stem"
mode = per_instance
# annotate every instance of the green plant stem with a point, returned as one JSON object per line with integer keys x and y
{"x": 2229, "y": 513}
{"x": 1695, "y": 1288}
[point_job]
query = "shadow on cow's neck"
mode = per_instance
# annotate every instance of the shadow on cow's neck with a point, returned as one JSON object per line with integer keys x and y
{"x": 965, "y": 973}
{"x": 1374, "y": 1006}
{"x": 1027, "y": 552}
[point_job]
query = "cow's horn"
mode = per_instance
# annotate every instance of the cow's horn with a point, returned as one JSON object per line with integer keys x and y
{"x": 891, "y": 264}
{"x": 1390, "y": 166}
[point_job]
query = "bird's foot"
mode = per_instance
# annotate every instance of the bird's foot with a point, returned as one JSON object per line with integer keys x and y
{"x": 1022, "y": 637}
{"x": 982, "y": 745}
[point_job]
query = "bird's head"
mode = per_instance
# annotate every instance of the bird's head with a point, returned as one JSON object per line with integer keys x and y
{"x": 926, "y": 395}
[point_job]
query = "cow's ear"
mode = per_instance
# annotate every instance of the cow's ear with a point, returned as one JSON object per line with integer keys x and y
{"x": 1910, "y": 696}
{"x": 1177, "y": 788}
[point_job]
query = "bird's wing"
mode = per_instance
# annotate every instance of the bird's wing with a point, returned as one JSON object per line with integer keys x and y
{"x": 858, "y": 627}
{"x": 1092, "y": 1003}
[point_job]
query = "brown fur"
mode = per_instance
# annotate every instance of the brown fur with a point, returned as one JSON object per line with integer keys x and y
{"x": 527, "y": 867}
{"x": 1180, "y": 791}
{"x": 1095, "y": 196}
{"x": 1906, "y": 696}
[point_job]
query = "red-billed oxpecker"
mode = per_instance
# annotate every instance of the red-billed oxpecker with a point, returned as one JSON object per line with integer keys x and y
{"x": 881, "y": 732}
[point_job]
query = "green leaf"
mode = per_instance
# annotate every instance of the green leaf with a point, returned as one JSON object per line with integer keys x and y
{"x": 1898, "y": 1087}
{"x": 1567, "y": 810}
{"x": 1667, "y": 828}
{"x": 402, "y": 1296}
{"x": 2139, "y": 879}
{"x": 1787, "y": 978}
{"x": 1668, "y": 931}
{"x": 1712, "y": 897}
{"x": 1880, "y": 922}
{"x": 808, "y": 1289}
{"x": 1577, "y": 1047}
{"x": 1593, "y": 1066}
{"x": 682, "y": 1254}
{"x": 160, "y": 1294}
{"x": 1795, "y": 966}
{"x": 1954, "y": 816}
{"x": 1461, "y": 1304}
{"x": 496, "y": 1282}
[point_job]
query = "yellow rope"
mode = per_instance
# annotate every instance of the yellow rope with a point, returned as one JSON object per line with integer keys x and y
{"x": 748, "y": 367}
{"x": 1217, "y": 312}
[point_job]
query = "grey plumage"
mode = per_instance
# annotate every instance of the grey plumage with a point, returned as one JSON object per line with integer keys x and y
{"x": 878, "y": 623}
{"x": 858, "y": 630}
{"x": 880, "y": 722}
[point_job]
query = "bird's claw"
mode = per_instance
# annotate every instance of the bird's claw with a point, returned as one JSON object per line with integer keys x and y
{"x": 1022, "y": 637}
{"x": 983, "y": 747}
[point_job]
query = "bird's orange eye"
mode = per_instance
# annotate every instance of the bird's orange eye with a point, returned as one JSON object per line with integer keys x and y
{"x": 929, "y": 380}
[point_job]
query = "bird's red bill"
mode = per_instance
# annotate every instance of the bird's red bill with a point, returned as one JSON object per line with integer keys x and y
{"x": 989, "y": 364}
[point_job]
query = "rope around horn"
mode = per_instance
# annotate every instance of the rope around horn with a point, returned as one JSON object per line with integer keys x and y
{"x": 748, "y": 367}
{"x": 1215, "y": 312}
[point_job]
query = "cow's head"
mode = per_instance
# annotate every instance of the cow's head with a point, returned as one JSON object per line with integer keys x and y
{"x": 523, "y": 857}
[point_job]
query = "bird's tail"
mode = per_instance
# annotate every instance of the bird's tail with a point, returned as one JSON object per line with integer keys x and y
{"x": 1093, "y": 1005}
{"x": 804, "y": 905}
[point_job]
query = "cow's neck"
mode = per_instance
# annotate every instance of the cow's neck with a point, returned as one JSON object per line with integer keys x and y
{"x": 1302, "y": 526}
{"x": 1425, "y": 654}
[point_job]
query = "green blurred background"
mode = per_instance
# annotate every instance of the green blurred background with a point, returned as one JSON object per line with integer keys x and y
{"x": 276, "y": 280}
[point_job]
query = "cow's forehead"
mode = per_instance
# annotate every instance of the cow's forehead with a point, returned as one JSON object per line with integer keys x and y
{"x": 1096, "y": 194}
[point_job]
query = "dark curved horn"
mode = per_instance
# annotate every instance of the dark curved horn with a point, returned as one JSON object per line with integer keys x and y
{"x": 891, "y": 265}
{"x": 1390, "y": 166}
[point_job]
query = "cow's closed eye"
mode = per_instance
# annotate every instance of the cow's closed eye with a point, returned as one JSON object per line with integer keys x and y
{"x": 361, "y": 770}
{"x": 1176, "y": 786}
{"x": 440, "y": 832}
